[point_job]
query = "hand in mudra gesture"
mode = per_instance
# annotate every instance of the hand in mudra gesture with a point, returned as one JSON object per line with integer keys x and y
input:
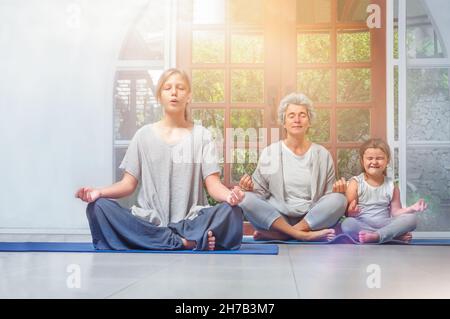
{"x": 88, "y": 194}
{"x": 340, "y": 186}
{"x": 246, "y": 183}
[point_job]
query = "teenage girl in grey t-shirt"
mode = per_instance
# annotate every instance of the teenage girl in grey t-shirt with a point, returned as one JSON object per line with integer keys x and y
{"x": 375, "y": 214}
{"x": 172, "y": 159}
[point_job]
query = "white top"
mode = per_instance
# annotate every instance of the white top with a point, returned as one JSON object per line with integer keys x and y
{"x": 171, "y": 175}
{"x": 297, "y": 180}
{"x": 374, "y": 201}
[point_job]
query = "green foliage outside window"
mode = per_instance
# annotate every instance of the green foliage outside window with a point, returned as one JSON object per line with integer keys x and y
{"x": 319, "y": 131}
{"x": 353, "y": 46}
{"x": 208, "y": 86}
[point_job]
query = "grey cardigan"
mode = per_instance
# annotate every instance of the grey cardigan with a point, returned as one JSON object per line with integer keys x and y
{"x": 268, "y": 176}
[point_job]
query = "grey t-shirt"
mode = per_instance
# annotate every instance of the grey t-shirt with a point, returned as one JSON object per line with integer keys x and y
{"x": 171, "y": 176}
{"x": 297, "y": 178}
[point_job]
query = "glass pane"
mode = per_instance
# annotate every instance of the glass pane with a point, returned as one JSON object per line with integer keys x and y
{"x": 428, "y": 177}
{"x": 144, "y": 113}
{"x": 354, "y": 85}
{"x": 212, "y": 119}
{"x": 396, "y": 164}
{"x": 124, "y": 127}
{"x": 353, "y": 46}
{"x": 134, "y": 103}
{"x": 353, "y": 125}
{"x": 145, "y": 41}
{"x": 247, "y": 48}
{"x": 352, "y": 11}
{"x": 396, "y": 103}
{"x": 348, "y": 163}
{"x": 396, "y": 41}
{"x": 422, "y": 42}
{"x": 208, "y": 12}
{"x": 247, "y": 12}
{"x": 311, "y": 12}
{"x": 246, "y": 124}
{"x": 315, "y": 83}
{"x": 395, "y": 29}
{"x": 428, "y": 105}
{"x": 244, "y": 162}
{"x": 320, "y": 126}
{"x": 208, "y": 86}
{"x": 313, "y": 47}
{"x": 208, "y": 47}
{"x": 421, "y": 39}
{"x": 247, "y": 86}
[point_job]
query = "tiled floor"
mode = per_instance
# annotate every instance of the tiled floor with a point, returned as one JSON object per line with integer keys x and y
{"x": 299, "y": 271}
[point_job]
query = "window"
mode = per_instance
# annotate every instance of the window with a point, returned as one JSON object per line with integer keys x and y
{"x": 224, "y": 46}
{"x": 422, "y": 110}
{"x": 336, "y": 69}
{"x": 424, "y": 139}
{"x": 245, "y": 56}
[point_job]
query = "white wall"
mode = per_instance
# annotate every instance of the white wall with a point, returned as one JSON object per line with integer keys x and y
{"x": 57, "y": 65}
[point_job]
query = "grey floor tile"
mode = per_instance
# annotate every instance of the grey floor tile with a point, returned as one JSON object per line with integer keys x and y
{"x": 218, "y": 277}
{"x": 346, "y": 271}
{"x": 46, "y": 275}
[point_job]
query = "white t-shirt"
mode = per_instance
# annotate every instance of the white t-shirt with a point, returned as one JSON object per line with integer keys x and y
{"x": 297, "y": 179}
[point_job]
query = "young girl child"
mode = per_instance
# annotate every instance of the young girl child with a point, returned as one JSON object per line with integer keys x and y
{"x": 171, "y": 159}
{"x": 375, "y": 214}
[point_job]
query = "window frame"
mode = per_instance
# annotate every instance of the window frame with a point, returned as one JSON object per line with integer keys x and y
{"x": 403, "y": 63}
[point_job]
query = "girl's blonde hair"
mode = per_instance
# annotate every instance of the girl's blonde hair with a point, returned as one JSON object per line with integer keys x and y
{"x": 374, "y": 143}
{"x": 165, "y": 76}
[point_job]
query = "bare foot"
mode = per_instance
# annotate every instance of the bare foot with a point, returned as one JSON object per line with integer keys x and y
{"x": 324, "y": 234}
{"x": 405, "y": 237}
{"x": 368, "y": 237}
{"x": 269, "y": 235}
{"x": 302, "y": 226}
{"x": 188, "y": 244}
{"x": 211, "y": 241}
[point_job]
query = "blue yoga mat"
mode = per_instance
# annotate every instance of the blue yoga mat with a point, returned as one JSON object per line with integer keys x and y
{"x": 346, "y": 239}
{"x": 89, "y": 248}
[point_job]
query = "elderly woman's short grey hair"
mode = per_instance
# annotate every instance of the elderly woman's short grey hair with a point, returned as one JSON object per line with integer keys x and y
{"x": 297, "y": 99}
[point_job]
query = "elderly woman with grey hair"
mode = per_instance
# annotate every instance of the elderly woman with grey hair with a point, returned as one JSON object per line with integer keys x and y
{"x": 293, "y": 194}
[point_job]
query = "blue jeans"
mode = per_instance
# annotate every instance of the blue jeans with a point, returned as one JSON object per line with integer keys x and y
{"x": 114, "y": 227}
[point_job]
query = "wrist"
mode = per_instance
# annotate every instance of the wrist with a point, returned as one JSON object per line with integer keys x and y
{"x": 229, "y": 196}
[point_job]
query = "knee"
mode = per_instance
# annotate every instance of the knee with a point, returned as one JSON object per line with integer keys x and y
{"x": 340, "y": 202}
{"x": 349, "y": 225}
{"x": 233, "y": 212}
{"x": 336, "y": 204}
{"x": 248, "y": 201}
{"x": 410, "y": 220}
{"x": 94, "y": 207}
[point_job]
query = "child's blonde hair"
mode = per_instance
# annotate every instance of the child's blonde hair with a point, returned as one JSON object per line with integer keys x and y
{"x": 166, "y": 75}
{"x": 374, "y": 143}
